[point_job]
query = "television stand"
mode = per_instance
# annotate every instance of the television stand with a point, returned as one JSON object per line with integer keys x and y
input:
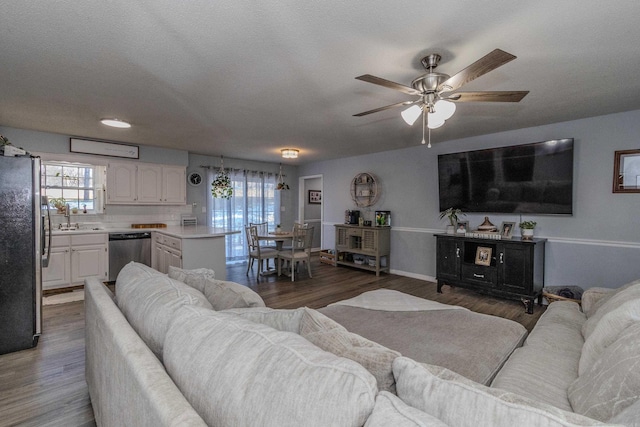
{"x": 514, "y": 269}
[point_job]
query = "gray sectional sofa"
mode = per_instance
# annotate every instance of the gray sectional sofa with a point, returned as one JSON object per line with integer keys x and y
{"x": 185, "y": 349}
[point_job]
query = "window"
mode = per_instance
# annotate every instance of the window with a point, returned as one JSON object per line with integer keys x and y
{"x": 79, "y": 185}
{"x": 255, "y": 199}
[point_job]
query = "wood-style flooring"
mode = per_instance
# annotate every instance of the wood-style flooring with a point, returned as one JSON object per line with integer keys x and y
{"x": 45, "y": 386}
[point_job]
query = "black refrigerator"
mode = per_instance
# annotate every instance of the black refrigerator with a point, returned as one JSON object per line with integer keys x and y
{"x": 22, "y": 240}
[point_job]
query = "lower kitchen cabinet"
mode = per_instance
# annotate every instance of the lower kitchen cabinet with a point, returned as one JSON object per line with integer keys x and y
{"x": 199, "y": 251}
{"x": 75, "y": 257}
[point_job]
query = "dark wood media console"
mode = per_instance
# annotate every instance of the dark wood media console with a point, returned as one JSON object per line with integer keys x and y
{"x": 515, "y": 268}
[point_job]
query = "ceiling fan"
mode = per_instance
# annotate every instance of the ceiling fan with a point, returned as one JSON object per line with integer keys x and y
{"x": 437, "y": 92}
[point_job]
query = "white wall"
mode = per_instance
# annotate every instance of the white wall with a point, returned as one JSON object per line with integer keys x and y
{"x": 598, "y": 246}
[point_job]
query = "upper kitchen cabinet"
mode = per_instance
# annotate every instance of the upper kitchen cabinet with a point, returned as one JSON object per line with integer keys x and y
{"x": 146, "y": 184}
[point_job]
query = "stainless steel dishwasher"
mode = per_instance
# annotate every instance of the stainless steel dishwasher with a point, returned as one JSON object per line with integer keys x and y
{"x": 127, "y": 247}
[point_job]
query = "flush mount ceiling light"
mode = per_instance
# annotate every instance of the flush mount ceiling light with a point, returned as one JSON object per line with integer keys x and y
{"x": 115, "y": 123}
{"x": 289, "y": 153}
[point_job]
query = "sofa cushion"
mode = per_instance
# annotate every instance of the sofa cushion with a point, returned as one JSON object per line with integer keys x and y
{"x": 221, "y": 294}
{"x": 612, "y": 383}
{"x": 607, "y": 331}
{"x": 610, "y": 302}
{"x": 333, "y": 337}
{"x": 150, "y": 301}
{"x": 559, "y": 328}
{"x": 460, "y": 402}
{"x": 391, "y": 411}
{"x": 329, "y": 336}
{"x": 237, "y": 372}
{"x": 540, "y": 373}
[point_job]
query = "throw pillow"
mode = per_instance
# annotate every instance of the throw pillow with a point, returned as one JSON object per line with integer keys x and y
{"x": 235, "y": 372}
{"x": 195, "y": 278}
{"x": 609, "y": 303}
{"x": 391, "y": 411}
{"x": 612, "y": 383}
{"x": 221, "y": 294}
{"x": 607, "y": 331}
{"x": 460, "y": 402}
{"x": 334, "y": 338}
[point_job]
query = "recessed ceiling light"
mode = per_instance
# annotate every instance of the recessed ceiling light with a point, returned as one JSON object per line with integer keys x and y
{"x": 116, "y": 123}
{"x": 290, "y": 153}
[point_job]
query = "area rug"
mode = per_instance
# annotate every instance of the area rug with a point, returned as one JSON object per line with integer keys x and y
{"x": 65, "y": 297}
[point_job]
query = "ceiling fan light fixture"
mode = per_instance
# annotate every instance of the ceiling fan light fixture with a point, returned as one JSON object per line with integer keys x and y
{"x": 289, "y": 153}
{"x": 433, "y": 121}
{"x": 444, "y": 109}
{"x": 411, "y": 114}
{"x": 115, "y": 123}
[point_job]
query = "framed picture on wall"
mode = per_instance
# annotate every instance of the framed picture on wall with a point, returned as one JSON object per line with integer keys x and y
{"x": 483, "y": 256}
{"x": 315, "y": 197}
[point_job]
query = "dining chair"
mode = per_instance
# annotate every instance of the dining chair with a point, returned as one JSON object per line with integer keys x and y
{"x": 255, "y": 251}
{"x": 301, "y": 242}
{"x": 263, "y": 230}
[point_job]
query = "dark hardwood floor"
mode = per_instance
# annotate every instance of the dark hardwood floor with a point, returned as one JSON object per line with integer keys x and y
{"x": 45, "y": 386}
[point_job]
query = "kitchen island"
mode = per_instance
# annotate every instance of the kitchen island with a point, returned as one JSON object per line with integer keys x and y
{"x": 190, "y": 247}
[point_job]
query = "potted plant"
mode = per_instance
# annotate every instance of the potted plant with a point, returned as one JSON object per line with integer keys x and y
{"x": 452, "y": 214}
{"x": 221, "y": 186}
{"x": 59, "y": 203}
{"x": 526, "y": 229}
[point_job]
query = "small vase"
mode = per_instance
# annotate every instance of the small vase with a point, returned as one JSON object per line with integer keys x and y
{"x": 450, "y": 229}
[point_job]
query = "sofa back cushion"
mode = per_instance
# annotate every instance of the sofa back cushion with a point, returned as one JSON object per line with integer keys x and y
{"x": 610, "y": 302}
{"x": 221, "y": 294}
{"x": 460, "y": 402}
{"x": 237, "y": 372}
{"x": 149, "y": 301}
{"x": 612, "y": 382}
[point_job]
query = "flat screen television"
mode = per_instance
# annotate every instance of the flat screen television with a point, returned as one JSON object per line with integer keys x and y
{"x": 531, "y": 178}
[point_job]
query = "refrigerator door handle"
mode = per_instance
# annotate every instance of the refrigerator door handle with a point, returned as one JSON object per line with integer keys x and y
{"x": 46, "y": 240}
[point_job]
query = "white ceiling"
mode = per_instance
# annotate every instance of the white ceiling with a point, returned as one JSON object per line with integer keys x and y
{"x": 244, "y": 78}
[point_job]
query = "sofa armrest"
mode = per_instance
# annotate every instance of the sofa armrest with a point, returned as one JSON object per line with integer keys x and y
{"x": 592, "y": 299}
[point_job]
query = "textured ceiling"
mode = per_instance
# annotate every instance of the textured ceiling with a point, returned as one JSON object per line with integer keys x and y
{"x": 244, "y": 79}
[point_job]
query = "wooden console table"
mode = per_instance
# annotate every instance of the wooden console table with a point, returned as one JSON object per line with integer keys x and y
{"x": 363, "y": 243}
{"x": 515, "y": 268}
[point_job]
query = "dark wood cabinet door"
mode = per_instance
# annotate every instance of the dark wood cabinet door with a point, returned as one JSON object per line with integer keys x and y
{"x": 448, "y": 259}
{"x": 515, "y": 263}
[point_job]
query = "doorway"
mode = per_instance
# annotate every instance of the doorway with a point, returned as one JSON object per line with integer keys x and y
{"x": 310, "y": 206}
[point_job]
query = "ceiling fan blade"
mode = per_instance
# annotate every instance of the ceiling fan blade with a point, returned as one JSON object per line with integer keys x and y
{"x": 388, "y": 84}
{"x": 497, "y": 96}
{"x": 386, "y": 107}
{"x": 482, "y": 66}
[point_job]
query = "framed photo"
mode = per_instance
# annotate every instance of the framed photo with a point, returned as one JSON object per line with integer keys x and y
{"x": 506, "y": 229}
{"x": 483, "y": 256}
{"x": 626, "y": 171}
{"x": 462, "y": 227}
{"x": 315, "y": 197}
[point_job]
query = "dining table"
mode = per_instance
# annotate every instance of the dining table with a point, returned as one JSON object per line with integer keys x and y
{"x": 279, "y": 238}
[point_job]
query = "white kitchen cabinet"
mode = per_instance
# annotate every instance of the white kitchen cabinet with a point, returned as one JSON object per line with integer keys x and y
{"x": 149, "y": 184}
{"x": 58, "y": 273}
{"x": 189, "y": 253}
{"x": 122, "y": 183}
{"x": 167, "y": 252}
{"x": 146, "y": 184}
{"x": 75, "y": 257}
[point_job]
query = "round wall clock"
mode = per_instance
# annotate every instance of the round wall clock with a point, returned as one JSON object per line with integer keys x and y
{"x": 195, "y": 178}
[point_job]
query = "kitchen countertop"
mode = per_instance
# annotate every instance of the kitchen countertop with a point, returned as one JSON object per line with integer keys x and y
{"x": 182, "y": 232}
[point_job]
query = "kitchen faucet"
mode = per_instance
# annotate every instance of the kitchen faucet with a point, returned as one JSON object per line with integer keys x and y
{"x": 67, "y": 214}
